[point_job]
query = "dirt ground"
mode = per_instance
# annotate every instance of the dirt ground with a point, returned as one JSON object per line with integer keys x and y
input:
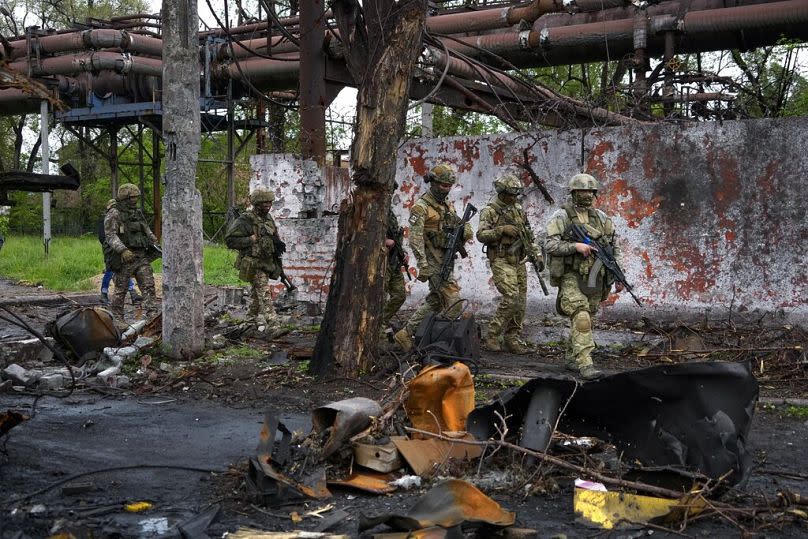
{"x": 181, "y": 435}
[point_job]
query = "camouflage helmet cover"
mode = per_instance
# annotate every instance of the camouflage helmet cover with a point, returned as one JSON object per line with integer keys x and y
{"x": 509, "y": 184}
{"x": 583, "y": 182}
{"x": 127, "y": 190}
{"x": 442, "y": 173}
{"x": 260, "y": 195}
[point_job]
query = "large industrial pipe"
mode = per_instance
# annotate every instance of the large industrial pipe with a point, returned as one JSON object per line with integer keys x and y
{"x": 90, "y": 39}
{"x": 598, "y": 41}
{"x": 92, "y": 62}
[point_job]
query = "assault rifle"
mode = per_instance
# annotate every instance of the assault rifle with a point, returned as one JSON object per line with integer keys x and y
{"x": 398, "y": 249}
{"x": 454, "y": 244}
{"x": 280, "y": 248}
{"x": 604, "y": 254}
{"x": 524, "y": 241}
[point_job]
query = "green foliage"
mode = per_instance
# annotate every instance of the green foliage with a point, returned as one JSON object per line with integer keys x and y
{"x": 3, "y": 225}
{"x": 797, "y": 412}
{"x": 73, "y": 262}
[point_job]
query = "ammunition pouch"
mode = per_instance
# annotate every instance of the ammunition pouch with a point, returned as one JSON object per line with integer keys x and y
{"x": 437, "y": 238}
{"x": 246, "y": 266}
{"x": 557, "y": 266}
{"x": 112, "y": 260}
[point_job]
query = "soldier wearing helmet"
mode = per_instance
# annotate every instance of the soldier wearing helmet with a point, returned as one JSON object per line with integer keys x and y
{"x": 507, "y": 236}
{"x": 431, "y": 218}
{"x": 128, "y": 249}
{"x": 255, "y": 236}
{"x": 570, "y": 264}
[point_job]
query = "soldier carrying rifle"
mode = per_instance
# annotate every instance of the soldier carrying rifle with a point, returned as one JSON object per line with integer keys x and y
{"x": 509, "y": 243}
{"x": 255, "y": 236}
{"x": 433, "y": 224}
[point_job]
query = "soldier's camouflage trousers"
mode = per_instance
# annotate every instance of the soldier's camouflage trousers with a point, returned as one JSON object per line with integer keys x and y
{"x": 511, "y": 281}
{"x": 581, "y": 309}
{"x": 436, "y": 301}
{"x": 396, "y": 294}
{"x": 141, "y": 270}
{"x": 261, "y": 299}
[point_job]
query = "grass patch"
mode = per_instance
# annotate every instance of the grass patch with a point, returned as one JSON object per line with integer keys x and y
{"x": 797, "y": 412}
{"x": 73, "y": 262}
{"x": 232, "y": 354}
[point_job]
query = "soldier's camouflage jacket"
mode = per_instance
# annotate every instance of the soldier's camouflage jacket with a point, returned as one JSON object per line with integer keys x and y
{"x": 561, "y": 254}
{"x": 252, "y": 256}
{"x": 430, "y": 223}
{"x": 125, "y": 228}
{"x": 492, "y": 218}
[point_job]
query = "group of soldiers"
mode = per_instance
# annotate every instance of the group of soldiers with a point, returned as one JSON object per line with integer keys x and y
{"x": 508, "y": 242}
{"x": 504, "y": 230}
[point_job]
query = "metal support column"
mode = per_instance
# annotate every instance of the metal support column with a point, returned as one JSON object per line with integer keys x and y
{"x": 667, "y": 91}
{"x": 231, "y": 154}
{"x": 46, "y": 197}
{"x": 312, "y": 80}
{"x": 640, "y": 60}
{"x": 141, "y": 172}
{"x": 156, "y": 180}
{"x": 426, "y": 119}
{"x": 113, "y": 159}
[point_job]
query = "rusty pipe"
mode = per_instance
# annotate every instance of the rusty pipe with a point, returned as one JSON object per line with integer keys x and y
{"x": 90, "y": 39}
{"x": 746, "y": 17}
{"x": 262, "y": 71}
{"x": 92, "y": 62}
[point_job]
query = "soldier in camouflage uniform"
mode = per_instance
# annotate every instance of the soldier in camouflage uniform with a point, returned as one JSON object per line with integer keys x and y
{"x": 394, "y": 281}
{"x": 431, "y": 218}
{"x": 254, "y": 235}
{"x": 570, "y": 264}
{"x": 128, "y": 246}
{"x": 507, "y": 236}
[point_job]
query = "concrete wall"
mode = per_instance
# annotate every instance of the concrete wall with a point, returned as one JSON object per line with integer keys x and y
{"x": 709, "y": 215}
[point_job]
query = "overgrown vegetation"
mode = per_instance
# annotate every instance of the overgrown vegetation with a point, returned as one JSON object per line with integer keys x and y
{"x": 73, "y": 262}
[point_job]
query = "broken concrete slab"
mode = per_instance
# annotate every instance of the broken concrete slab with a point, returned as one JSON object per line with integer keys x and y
{"x": 52, "y": 382}
{"x": 17, "y": 374}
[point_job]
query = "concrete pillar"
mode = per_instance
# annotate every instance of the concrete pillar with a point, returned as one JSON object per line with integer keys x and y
{"x": 46, "y": 197}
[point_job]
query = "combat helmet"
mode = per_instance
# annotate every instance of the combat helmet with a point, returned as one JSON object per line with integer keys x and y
{"x": 127, "y": 190}
{"x": 583, "y": 182}
{"x": 260, "y": 195}
{"x": 442, "y": 173}
{"x": 508, "y": 184}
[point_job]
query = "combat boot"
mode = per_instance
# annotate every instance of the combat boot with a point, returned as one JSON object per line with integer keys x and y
{"x": 491, "y": 343}
{"x": 402, "y": 337}
{"x": 515, "y": 346}
{"x": 136, "y": 298}
{"x": 105, "y": 298}
{"x": 589, "y": 372}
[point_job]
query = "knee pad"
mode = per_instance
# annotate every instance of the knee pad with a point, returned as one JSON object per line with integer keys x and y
{"x": 582, "y": 322}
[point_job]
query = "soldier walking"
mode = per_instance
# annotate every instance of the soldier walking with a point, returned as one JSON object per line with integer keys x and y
{"x": 394, "y": 281}
{"x": 508, "y": 238}
{"x": 582, "y": 284}
{"x": 129, "y": 248}
{"x": 432, "y": 218}
{"x": 254, "y": 235}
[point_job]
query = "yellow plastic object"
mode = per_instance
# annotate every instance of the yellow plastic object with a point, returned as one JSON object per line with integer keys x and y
{"x": 611, "y": 509}
{"x": 137, "y": 507}
{"x": 441, "y": 398}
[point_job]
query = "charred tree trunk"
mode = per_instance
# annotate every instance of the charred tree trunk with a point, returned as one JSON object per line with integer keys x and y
{"x": 183, "y": 287}
{"x": 382, "y": 45}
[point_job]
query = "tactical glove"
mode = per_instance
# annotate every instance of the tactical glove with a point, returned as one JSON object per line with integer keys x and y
{"x": 127, "y": 256}
{"x": 510, "y": 231}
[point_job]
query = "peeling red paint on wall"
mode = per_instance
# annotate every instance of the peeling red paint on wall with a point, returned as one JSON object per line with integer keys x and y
{"x": 625, "y": 200}
{"x": 594, "y": 163}
{"x": 470, "y": 153}
{"x": 498, "y": 155}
